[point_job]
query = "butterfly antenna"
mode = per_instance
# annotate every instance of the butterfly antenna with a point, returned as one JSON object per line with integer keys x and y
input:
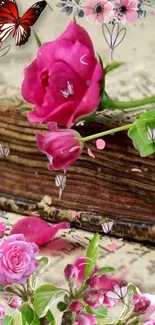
{"x": 49, "y": 6}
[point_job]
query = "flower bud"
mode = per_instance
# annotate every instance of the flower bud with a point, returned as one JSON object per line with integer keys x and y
{"x": 3, "y": 227}
{"x": 15, "y": 302}
{"x": 71, "y": 272}
{"x": 75, "y": 306}
{"x": 141, "y": 303}
{"x": 94, "y": 298}
{"x": 93, "y": 281}
{"x": 2, "y": 311}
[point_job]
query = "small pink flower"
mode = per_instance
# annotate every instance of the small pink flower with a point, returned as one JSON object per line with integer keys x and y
{"x": 93, "y": 281}
{"x": 37, "y": 230}
{"x": 2, "y": 311}
{"x": 62, "y": 147}
{"x": 141, "y": 303}
{"x": 71, "y": 272}
{"x": 94, "y": 298}
{"x": 126, "y": 10}
{"x": 15, "y": 302}
{"x": 17, "y": 260}
{"x": 63, "y": 82}
{"x": 75, "y": 306}
{"x": 3, "y": 227}
{"x": 85, "y": 319}
{"x": 98, "y": 11}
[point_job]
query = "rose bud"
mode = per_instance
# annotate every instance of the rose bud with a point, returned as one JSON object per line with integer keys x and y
{"x": 94, "y": 298}
{"x": 75, "y": 306}
{"x": 62, "y": 147}
{"x": 15, "y": 302}
{"x": 85, "y": 319}
{"x": 2, "y": 311}
{"x": 93, "y": 281}
{"x": 71, "y": 272}
{"x": 3, "y": 227}
{"x": 141, "y": 303}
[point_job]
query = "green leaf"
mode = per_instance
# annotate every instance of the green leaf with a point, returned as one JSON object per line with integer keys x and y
{"x": 18, "y": 319}
{"x": 6, "y": 320}
{"x": 37, "y": 39}
{"x": 112, "y": 66}
{"x": 100, "y": 312}
{"x": 92, "y": 256}
{"x": 105, "y": 270}
{"x": 50, "y": 318}
{"x": 29, "y": 314}
{"x": 44, "y": 297}
{"x": 61, "y": 306}
{"x": 142, "y": 133}
{"x": 43, "y": 265}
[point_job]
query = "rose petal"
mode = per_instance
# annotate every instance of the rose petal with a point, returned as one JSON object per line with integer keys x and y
{"x": 90, "y": 153}
{"x": 100, "y": 144}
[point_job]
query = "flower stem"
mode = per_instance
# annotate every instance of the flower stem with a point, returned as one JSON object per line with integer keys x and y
{"x": 132, "y": 104}
{"x": 102, "y": 134}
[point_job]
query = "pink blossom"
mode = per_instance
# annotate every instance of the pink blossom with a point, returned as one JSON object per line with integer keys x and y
{"x": 85, "y": 319}
{"x": 17, "y": 260}
{"x": 93, "y": 281}
{"x": 75, "y": 306}
{"x": 2, "y": 311}
{"x": 98, "y": 11}
{"x": 141, "y": 303}
{"x": 15, "y": 302}
{"x": 62, "y": 147}
{"x": 71, "y": 272}
{"x": 94, "y": 298}
{"x": 148, "y": 307}
{"x": 63, "y": 82}
{"x": 126, "y": 10}
{"x": 37, "y": 230}
{"x": 3, "y": 227}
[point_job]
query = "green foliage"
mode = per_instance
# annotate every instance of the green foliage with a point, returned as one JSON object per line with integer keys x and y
{"x": 105, "y": 270}
{"x": 37, "y": 39}
{"x": 92, "y": 255}
{"x": 18, "y": 319}
{"x": 142, "y": 133}
{"x": 112, "y": 66}
{"x": 43, "y": 265}
{"x": 6, "y": 320}
{"x": 44, "y": 297}
{"x": 50, "y": 318}
{"x": 29, "y": 314}
{"x": 61, "y": 306}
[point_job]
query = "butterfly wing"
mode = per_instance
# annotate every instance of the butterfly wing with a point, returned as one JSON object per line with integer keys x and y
{"x": 23, "y": 32}
{"x": 8, "y": 17}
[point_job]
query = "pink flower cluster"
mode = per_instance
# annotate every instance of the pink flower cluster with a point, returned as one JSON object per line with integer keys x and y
{"x": 63, "y": 83}
{"x": 104, "y": 11}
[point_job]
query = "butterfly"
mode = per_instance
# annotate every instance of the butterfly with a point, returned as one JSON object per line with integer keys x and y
{"x": 107, "y": 226}
{"x": 69, "y": 91}
{"x": 11, "y": 22}
{"x": 60, "y": 181}
{"x": 118, "y": 292}
{"x": 4, "y": 150}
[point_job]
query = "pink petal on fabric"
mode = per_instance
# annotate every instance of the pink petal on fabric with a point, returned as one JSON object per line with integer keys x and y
{"x": 37, "y": 230}
{"x": 136, "y": 170}
{"x": 124, "y": 2}
{"x": 113, "y": 247}
{"x": 131, "y": 16}
{"x": 90, "y": 153}
{"x": 121, "y": 239}
{"x": 74, "y": 214}
{"x": 100, "y": 144}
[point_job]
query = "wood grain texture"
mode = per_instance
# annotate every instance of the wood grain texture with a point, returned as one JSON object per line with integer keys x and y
{"x": 98, "y": 189}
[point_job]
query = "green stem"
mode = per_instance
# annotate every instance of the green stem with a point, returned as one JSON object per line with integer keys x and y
{"x": 102, "y": 134}
{"x": 132, "y": 104}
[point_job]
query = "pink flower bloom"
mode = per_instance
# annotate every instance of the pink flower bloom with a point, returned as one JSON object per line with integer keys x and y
{"x": 37, "y": 230}
{"x": 93, "y": 281}
{"x": 94, "y": 298}
{"x": 126, "y": 10}
{"x": 2, "y": 311}
{"x": 3, "y": 227}
{"x": 75, "y": 306}
{"x": 17, "y": 260}
{"x": 15, "y": 302}
{"x": 85, "y": 319}
{"x": 71, "y": 272}
{"x": 148, "y": 307}
{"x": 63, "y": 82}
{"x": 141, "y": 303}
{"x": 62, "y": 147}
{"x": 98, "y": 11}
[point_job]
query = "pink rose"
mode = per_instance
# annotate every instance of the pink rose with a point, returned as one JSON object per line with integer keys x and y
{"x": 63, "y": 82}
{"x": 62, "y": 147}
{"x": 17, "y": 260}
